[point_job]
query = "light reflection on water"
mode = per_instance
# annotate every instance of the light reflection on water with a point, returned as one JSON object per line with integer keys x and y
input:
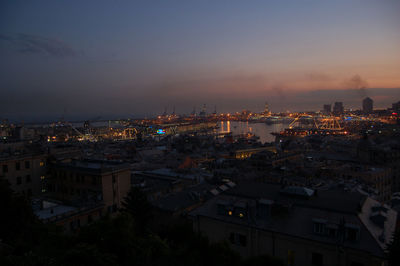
{"x": 259, "y": 129}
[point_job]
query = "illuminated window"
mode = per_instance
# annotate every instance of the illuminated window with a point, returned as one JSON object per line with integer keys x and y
{"x": 42, "y": 177}
{"x": 241, "y": 215}
{"x": 230, "y": 213}
{"x": 41, "y": 163}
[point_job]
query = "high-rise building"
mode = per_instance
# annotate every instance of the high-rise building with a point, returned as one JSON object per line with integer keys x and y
{"x": 203, "y": 111}
{"x": 266, "y": 109}
{"x": 396, "y": 106}
{"x": 327, "y": 109}
{"x": 368, "y": 105}
{"x": 338, "y": 108}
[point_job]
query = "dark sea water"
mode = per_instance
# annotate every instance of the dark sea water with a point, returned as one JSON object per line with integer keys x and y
{"x": 259, "y": 129}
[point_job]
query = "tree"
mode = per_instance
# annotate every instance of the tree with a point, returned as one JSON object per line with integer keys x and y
{"x": 137, "y": 205}
{"x": 17, "y": 218}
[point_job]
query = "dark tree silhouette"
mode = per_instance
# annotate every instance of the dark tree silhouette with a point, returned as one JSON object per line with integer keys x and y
{"x": 137, "y": 205}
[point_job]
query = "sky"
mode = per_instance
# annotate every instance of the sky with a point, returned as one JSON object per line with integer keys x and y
{"x": 85, "y": 59}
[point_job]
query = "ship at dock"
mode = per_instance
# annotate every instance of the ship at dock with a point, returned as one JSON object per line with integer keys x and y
{"x": 303, "y": 126}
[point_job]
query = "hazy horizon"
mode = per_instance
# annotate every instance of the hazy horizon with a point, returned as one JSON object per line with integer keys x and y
{"x": 134, "y": 58}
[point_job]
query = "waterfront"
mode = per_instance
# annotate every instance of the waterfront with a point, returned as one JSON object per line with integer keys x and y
{"x": 261, "y": 130}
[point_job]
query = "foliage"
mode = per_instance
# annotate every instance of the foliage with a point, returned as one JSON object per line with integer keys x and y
{"x": 137, "y": 205}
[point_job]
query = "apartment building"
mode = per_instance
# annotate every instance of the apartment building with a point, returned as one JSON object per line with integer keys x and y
{"x": 25, "y": 172}
{"x": 90, "y": 181}
{"x": 299, "y": 225}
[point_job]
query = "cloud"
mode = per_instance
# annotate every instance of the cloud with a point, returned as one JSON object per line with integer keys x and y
{"x": 357, "y": 83}
{"x": 34, "y": 44}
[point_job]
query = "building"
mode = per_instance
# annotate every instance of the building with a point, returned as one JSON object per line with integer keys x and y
{"x": 90, "y": 181}
{"x": 396, "y": 107}
{"x": 368, "y": 105}
{"x": 327, "y": 109}
{"x": 266, "y": 109}
{"x": 299, "y": 225}
{"x": 203, "y": 111}
{"x": 338, "y": 108}
{"x": 25, "y": 172}
{"x": 70, "y": 217}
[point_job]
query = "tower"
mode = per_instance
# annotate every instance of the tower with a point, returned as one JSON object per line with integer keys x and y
{"x": 338, "y": 108}
{"x": 327, "y": 109}
{"x": 203, "y": 111}
{"x": 368, "y": 105}
{"x": 266, "y": 108}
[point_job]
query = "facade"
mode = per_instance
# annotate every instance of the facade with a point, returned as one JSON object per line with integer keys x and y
{"x": 396, "y": 106}
{"x": 338, "y": 108}
{"x": 327, "y": 109}
{"x": 298, "y": 225}
{"x": 266, "y": 109}
{"x": 71, "y": 218}
{"x": 368, "y": 105}
{"x": 25, "y": 173}
{"x": 89, "y": 181}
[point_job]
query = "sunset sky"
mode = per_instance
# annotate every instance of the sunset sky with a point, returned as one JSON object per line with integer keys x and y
{"x": 133, "y": 58}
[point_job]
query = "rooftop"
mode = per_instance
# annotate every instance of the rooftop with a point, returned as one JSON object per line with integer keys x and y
{"x": 95, "y": 166}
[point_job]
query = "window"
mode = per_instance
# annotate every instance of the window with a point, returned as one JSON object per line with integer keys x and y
{"x": 28, "y": 178}
{"x": 238, "y": 239}
{"x": 242, "y": 240}
{"x": 17, "y": 166}
{"x": 27, "y": 164}
{"x": 5, "y": 168}
{"x": 42, "y": 177}
{"x": 71, "y": 225}
{"x": 41, "y": 164}
{"x": 332, "y": 232}
{"x": 316, "y": 259}
{"x": 19, "y": 180}
{"x": 319, "y": 227}
{"x": 351, "y": 234}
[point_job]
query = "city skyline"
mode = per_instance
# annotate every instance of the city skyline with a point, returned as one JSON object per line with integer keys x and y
{"x": 133, "y": 59}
